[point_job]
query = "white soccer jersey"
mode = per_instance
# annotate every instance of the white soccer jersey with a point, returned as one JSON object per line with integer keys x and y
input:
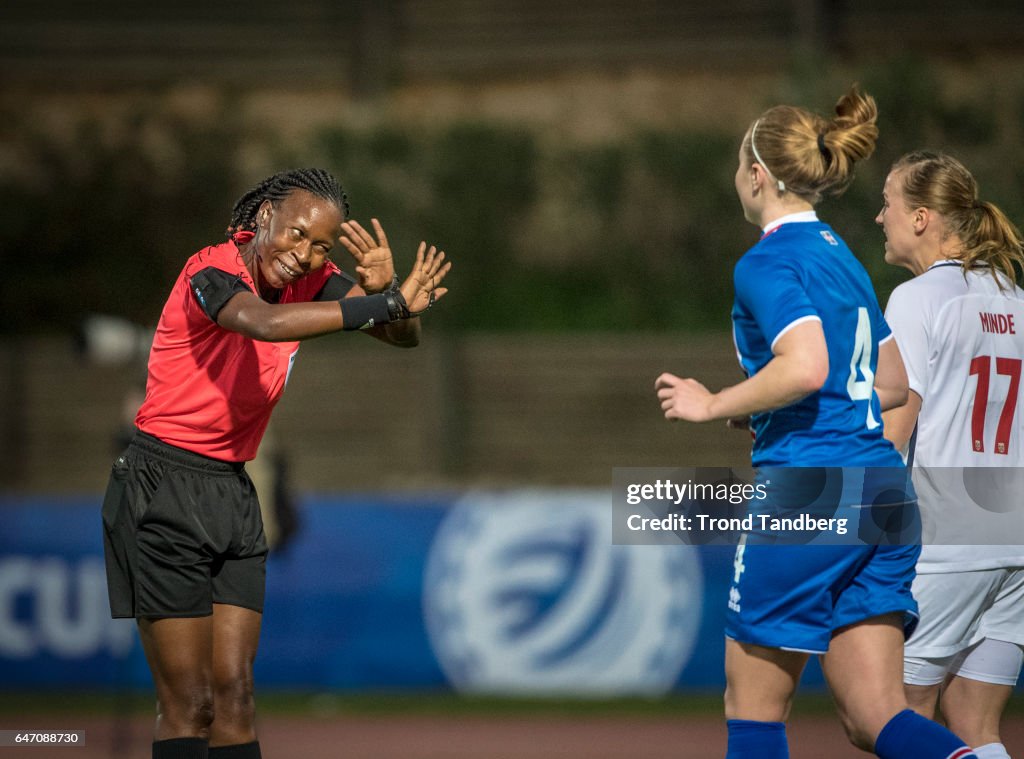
{"x": 962, "y": 341}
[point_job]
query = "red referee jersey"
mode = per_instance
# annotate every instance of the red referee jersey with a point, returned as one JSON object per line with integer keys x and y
{"x": 211, "y": 390}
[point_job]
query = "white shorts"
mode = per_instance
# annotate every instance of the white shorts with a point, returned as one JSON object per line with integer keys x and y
{"x": 988, "y": 661}
{"x": 958, "y": 610}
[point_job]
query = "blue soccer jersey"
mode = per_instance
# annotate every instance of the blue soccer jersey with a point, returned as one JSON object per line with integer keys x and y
{"x": 801, "y": 271}
{"x": 796, "y": 596}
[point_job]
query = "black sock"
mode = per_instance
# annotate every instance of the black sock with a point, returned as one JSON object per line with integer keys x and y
{"x": 241, "y": 751}
{"x": 181, "y": 748}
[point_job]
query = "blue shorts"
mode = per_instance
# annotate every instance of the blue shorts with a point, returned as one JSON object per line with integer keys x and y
{"x": 796, "y": 597}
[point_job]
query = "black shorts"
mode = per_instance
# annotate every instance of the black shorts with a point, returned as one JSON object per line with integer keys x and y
{"x": 180, "y": 532}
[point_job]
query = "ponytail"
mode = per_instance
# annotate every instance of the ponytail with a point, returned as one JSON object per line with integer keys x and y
{"x": 809, "y": 155}
{"x": 988, "y": 238}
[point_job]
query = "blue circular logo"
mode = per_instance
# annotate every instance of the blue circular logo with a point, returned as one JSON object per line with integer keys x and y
{"x": 525, "y": 593}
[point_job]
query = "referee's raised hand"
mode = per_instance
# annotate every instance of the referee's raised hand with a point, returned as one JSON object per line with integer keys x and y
{"x": 422, "y": 287}
{"x": 374, "y": 263}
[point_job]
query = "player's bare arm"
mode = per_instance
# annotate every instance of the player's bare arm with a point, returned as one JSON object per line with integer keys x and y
{"x": 799, "y": 368}
{"x": 891, "y": 384}
{"x": 898, "y": 423}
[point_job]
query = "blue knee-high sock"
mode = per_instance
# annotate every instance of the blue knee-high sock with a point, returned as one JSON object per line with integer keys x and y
{"x": 908, "y": 735}
{"x": 757, "y": 740}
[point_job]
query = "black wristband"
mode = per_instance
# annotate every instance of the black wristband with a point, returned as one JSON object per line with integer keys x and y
{"x": 365, "y": 311}
{"x": 397, "y": 307}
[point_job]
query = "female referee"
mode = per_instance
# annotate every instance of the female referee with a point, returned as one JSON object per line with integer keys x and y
{"x": 959, "y": 324}
{"x": 184, "y": 544}
{"x": 820, "y": 368}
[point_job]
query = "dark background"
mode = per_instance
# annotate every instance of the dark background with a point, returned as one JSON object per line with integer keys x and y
{"x": 575, "y": 160}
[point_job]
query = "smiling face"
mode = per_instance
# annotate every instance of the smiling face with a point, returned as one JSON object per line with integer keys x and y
{"x": 897, "y": 220}
{"x": 295, "y": 237}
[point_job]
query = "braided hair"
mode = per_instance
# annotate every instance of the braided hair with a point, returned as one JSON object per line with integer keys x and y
{"x": 317, "y": 181}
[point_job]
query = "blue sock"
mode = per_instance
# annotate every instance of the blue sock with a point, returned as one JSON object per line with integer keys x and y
{"x": 757, "y": 740}
{"x": 908, "y": 735}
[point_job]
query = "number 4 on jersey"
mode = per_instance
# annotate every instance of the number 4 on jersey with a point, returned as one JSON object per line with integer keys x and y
{"x": 860, "y": 363}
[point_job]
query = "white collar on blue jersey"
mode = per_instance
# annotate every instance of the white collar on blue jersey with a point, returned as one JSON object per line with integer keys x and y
{"x": 801, "y": 216}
